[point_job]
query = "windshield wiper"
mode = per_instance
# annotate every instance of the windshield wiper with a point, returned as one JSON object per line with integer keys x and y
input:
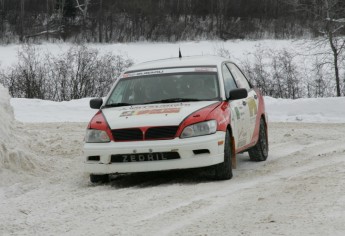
{"x": 172, "y": 100}
{"x": 120, "y": 104}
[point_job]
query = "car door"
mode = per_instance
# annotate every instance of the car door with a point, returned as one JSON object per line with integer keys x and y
{"x": 251, "y": 102}
{"x": 237, "y": 110}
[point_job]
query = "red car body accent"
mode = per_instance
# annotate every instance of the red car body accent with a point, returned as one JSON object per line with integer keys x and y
{"x": 198, "y": 116}
{"x": 100, "y": 123}
{"x": 221, "y": 115}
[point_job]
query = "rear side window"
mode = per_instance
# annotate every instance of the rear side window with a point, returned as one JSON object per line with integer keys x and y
{"x": 240, "y": 79}
{"x": 229, "y": 82}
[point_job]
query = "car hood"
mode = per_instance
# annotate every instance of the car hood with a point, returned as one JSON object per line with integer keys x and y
{"x": 168, "y": 114}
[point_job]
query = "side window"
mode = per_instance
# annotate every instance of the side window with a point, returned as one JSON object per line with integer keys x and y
{"x": 229, "y": 82}
{"x": 119, "y": 93}
{"x": 241, "y": 81}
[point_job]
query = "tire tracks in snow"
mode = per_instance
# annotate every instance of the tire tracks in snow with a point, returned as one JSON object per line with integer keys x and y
{"x": 190, "y": 211}
{"x": 205, "y": 204}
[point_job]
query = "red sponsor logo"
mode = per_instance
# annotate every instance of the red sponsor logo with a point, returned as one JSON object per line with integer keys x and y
{"x": 150, "y": 112}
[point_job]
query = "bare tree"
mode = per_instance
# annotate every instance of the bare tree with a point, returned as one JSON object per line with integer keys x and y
{"x": 331, "y": 14}
{"x": 83, "y": 8}
{"x": 275, "y": 72}
{"x": 2, "y": 18}
{"x": 332, "y": 32}
{"x": 22, "y": 10}
{"x": 61, "y": 27}
{"x": 100, "y": 22}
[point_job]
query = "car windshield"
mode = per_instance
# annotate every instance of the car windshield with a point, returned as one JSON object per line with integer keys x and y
{"x": 178, "y": 87}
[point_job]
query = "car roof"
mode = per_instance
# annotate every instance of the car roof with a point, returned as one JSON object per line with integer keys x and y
{"x": 189, "y": 61}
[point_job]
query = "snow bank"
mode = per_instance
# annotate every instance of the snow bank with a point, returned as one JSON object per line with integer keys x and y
{"x": 6, "y": 115}
{"x": 36, "y": 110}
{"x": 312, "y": 110}
{"x": 14, "y": 155}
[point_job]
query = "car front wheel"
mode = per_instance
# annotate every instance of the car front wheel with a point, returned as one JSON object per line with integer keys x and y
{"x": 260, "y": 151}
{"x": 223, "y": 171}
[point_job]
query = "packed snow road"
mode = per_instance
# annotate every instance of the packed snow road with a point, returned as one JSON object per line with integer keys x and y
{"x": 299, "y": 190}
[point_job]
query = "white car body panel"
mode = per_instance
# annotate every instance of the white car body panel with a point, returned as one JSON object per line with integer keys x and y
{"x": 184, "y": 147}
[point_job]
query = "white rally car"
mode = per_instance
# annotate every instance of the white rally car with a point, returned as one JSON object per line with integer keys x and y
{"x": 175, "y": 114}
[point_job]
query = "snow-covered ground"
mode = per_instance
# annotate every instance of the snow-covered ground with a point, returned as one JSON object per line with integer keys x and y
{"x": 299, "y": 190}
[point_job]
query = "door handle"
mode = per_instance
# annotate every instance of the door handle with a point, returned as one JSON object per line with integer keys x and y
{"x": 244, "y": 103}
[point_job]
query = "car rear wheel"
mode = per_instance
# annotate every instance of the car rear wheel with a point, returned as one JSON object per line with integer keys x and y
{"x": 223, "y": 171}
{"x": 99, "y": 178}
{"x": 260, "y": 151}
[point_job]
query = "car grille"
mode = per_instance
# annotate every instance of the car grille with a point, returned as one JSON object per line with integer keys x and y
{"x": 127, "y": 134}
{"x": 164, "y": 132}
{"x": 136, "y": 134}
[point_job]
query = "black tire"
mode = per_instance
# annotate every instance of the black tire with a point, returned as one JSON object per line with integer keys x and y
{"x": 260, "y": 151}
{"x": 223, "y": 171}
{"x": 99, "y": 178}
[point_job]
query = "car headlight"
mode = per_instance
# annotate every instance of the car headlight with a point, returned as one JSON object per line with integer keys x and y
{"x": 96, "y": 136}
{"x": 198, "y": 129}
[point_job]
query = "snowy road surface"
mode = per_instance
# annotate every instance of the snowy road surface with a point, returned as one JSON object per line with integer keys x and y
{"x": 299, "y": 190}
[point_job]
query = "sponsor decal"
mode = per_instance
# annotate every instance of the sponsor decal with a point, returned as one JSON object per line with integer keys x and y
{"x": 253, "y": 110}
{"x": 150, "y": 112}
{"x": 169, "y": 71}
{"x": 141, "y": 107}
{"x": 242, "y": 138}
{"x": 151, "y": 72}
{"x": 204, "y": 69}
{"x": 237, "y": 113}
{"x": 157, "y": 156}
{"x": 144, "y": 157}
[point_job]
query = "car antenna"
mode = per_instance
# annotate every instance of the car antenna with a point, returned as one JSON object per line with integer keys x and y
{"x": 179, "y": 53}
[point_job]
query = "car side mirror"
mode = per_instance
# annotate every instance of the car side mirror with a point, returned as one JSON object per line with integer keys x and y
{"x": 96, "y": 103}
{"x": 239, "y": 93}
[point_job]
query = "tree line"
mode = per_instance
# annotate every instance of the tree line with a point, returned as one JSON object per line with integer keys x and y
{"x": 158, "y": 20}
{"x": 82, "y": 71}
{"x": 174, "y": 20}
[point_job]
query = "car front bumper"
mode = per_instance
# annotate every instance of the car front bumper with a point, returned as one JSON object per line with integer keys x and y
{"x": 214, "y": 143}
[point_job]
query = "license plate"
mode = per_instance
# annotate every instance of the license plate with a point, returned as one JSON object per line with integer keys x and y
{"x": 137, "y": 157}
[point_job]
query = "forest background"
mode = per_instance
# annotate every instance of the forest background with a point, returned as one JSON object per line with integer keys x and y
{"x": 83, "y": 71}
{"x": 160, "y": 20}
